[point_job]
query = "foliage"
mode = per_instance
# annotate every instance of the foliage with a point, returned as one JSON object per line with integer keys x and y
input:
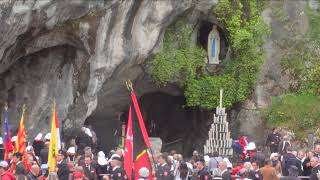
{"x": 179, "y": 61}
{"x": 246, "y": 31}
{"x": 298, "y": 112}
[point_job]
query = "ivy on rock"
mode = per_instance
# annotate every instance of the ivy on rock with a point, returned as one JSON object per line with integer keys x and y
{"x": 179, "y": 61}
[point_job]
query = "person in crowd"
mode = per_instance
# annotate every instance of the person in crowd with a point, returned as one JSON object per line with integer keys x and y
{"x": 273, "y": 140}
{"x": 182, "y": 171}
{"x": 315, "y": 173}
{"x": 4, "y": 174}
{"x": 163, "y": 172}
{"x": 44, "y": 158}
{"x": 102, "y": 165}
{"x": 71, "y": 153}
{"x": 293, "y": 174}
{"x": 214, "y": 161}
{"x": 118, "y": 172}
{"x": 38, "y": 144}
{"x": 288, "y": 159}
{"x": 62, "y": 166}
{"x": 225, "y": 174}
{"x": 87, "y": 152}
{"x": 89, "y": 168}
{"x": 317, "y": 150}
{"x": 284, "y": 145}
{"x": 307, "y": 165}
{"x": 276, "y": 164}
{"x": 195, "y": 156}
{"x": 268, "y": 172}
{"x": 256, "y": 171}
{"x": 19, "y": 166}
{"x": 203, "y": 173}
{"x": 258, "y": 157}
{"x": 83, "y": 140}
{"x": 299, "y": 160}
{"x": 34, "y": 172}
{"x": 78, "y": 174}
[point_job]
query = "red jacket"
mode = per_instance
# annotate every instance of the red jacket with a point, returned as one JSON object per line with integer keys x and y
{"x": 7, "y": 176}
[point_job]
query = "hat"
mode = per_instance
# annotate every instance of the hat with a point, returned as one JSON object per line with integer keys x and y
{"x": 88, "y": 132}
{"x": 14, "y": 139}
{"x": 115, "y": 157}
{"x": 144, "y": 172}
{"x": 71, "y": 150}
{"x": 38, "y": 137}
{"x": 4, "y": 164}
{"x": 102, "y": 158}
{"x": 48, "y": 136}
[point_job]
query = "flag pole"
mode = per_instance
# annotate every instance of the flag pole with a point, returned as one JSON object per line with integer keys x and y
{"x": 154, "y": 167}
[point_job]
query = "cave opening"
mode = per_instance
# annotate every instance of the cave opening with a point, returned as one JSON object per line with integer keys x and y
{"x": 180, "y": 128}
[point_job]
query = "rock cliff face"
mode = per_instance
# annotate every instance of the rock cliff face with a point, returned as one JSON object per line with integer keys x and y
{"x": 79, "y": 53}
{"x": 287, "y": 20}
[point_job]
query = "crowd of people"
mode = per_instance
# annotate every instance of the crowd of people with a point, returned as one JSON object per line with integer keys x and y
{"x": 80, "y": 161}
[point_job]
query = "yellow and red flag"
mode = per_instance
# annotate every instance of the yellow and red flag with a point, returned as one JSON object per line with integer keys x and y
{"x": 54, "y": 141}
{"x": 20, "y": 145}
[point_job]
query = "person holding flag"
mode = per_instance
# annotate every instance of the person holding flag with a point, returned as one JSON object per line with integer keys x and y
{"x": 7, "y": 137}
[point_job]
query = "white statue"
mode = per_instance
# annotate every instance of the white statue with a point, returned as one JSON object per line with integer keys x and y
{"x": 213, "y": 46}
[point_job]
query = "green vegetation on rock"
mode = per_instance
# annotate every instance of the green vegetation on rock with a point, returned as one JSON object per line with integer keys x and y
{"x": 298, "y": 112}
{"x": 180, "y": 62}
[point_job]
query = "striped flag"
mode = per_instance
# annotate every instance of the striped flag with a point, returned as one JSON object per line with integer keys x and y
{"x": 20, "y": 145}
{"x": 54, "y": 141}
{"x": 7, "y": 137}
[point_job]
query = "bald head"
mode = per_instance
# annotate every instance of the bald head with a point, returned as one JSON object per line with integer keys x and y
{"x": 35, "y": 170}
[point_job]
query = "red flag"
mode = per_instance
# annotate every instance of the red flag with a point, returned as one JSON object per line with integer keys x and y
{"x": 128, "y": 154}
{"x": 141, "y": 141}
{"x": 141, "y": 161}
{"x": 7, "y": 138}
{"x": 140, "y": 119}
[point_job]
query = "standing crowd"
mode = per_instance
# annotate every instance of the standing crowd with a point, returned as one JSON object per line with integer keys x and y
{"x": 80, "y": 162}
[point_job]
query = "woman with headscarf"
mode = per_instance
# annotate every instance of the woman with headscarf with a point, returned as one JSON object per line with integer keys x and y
{"x": 102, "y": 165}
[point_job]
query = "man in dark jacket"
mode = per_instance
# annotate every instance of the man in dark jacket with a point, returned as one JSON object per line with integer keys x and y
{"x": 273, "y": 140}
{"x": 89, "y": 168}
{"x": 203, "y": 173}
{"x": 163, "y": 172}
{"x": 315, "y": 168}
{"x": 288, "y": 160}
{"x": 63, "y": 168}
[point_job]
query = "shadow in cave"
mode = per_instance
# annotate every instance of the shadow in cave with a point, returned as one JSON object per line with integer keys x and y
{"x": 180, "y": 128}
